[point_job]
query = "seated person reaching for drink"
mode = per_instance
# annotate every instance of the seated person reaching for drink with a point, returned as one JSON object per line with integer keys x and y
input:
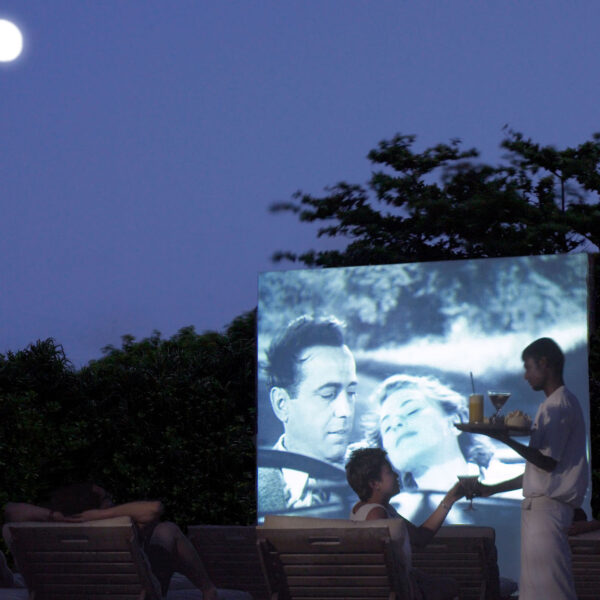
{"x": 371, "y": 476}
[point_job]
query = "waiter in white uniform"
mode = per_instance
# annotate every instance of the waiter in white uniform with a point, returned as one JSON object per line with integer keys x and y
{"x": 555, "y": 478}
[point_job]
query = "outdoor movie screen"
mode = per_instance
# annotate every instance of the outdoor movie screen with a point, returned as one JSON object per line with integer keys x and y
{"x": 422, "y": 329}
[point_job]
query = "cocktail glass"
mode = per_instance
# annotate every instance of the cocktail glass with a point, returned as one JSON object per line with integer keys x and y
{"x": 498, "y": 400}
{"x": 469, "y": 484}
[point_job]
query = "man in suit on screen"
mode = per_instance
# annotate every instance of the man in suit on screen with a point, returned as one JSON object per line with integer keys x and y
{"x": 312, "y": 390}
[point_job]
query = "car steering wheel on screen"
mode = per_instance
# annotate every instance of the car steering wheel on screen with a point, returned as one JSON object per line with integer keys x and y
{"x": 330, "y": 477}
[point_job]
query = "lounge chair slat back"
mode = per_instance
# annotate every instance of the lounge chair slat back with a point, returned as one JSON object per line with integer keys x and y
{"x": 91, "y": 562}
{"x": 95, "y": 562}
{"x": 330, "y": 563}
{"x": 85, "y": 596}
{"x": 585, "y": 555}
{"x": 468, "y": 554}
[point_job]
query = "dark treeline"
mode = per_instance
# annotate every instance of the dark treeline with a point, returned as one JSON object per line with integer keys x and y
{"x": 170, "y": 419}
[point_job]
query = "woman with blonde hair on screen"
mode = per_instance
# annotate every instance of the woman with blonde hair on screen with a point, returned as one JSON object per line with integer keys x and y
{"x": 413, "y": 418}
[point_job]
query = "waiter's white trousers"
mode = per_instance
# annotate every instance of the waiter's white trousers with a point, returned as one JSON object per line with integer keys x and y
{"x": 546, "y": 572}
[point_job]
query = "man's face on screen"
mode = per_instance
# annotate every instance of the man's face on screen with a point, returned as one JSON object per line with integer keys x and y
{"x": 411, "y": 427}
{"x": 320, "y": 415}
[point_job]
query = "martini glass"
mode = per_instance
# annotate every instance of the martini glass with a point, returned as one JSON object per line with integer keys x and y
{"x": 498, "y": 400}
{"x": 469, "y": 484}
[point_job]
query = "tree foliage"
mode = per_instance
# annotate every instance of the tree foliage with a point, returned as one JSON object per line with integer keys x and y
{"x": 41, "y": 423}
{"x": 170, "y": 419}
{"x": 441, "y": 204}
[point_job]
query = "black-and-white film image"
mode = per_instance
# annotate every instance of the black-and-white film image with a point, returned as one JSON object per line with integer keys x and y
{"x": 395, "y": 352}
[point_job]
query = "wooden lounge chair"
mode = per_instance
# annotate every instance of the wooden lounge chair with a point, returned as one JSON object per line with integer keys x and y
{"x": 347, "y": 561}
{"x": 230, "y": 556}
{"x": 83, "y": 561}
{"x": 585, "y": 553}
{"x": 465, "y": 552}
{"x": 468, "y": 554}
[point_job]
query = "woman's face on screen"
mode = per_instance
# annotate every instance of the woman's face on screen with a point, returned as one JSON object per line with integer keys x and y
{"x": 410, "y": 427}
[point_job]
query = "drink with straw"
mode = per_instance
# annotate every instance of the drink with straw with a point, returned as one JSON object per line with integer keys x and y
{"x": 475, "y": 404}
{"x": 476, "y": 408}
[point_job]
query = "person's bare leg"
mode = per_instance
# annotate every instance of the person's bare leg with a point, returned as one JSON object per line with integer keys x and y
{"x": 169, "y": 550}
{"x": 6, "y": 575}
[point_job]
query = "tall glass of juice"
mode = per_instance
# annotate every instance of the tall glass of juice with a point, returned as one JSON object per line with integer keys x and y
{"x": 476, "y": 408}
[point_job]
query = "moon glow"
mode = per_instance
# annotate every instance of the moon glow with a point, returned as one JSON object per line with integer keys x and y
{"x": 11, "y": 41}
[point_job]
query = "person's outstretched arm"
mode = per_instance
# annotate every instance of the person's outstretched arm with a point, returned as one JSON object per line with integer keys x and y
{"x": 19, "y": 512}
{"x": 504, "y": 486}
{"x": 422, "y": 535}
{"x": 142, "y": 512}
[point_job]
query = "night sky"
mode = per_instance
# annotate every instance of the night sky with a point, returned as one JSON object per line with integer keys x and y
{"x": 142, "y": 142}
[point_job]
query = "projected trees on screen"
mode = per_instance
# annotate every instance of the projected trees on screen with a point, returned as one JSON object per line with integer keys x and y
{"x": 413, "y": 333}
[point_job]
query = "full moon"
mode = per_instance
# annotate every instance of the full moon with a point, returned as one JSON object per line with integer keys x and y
{"x": 11, "y": 41}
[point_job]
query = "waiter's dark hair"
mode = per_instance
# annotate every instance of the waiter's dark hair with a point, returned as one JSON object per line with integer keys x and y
{"x": 546, "y": 348}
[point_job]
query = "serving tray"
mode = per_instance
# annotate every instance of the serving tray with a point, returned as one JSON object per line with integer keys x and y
{"x": 493, "y": 428}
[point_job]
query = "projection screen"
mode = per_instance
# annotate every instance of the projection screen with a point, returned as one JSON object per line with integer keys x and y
{"x": 431, "y": 325}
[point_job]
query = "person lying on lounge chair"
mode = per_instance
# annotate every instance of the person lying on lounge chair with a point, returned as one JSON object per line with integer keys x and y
{"x": 167, "y": 548}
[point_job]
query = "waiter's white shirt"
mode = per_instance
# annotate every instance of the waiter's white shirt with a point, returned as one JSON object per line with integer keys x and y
{"x": 559, "y": 432}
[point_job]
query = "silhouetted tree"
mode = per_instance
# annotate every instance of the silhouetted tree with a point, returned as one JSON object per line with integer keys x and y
{"x": 440, "y": 204}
